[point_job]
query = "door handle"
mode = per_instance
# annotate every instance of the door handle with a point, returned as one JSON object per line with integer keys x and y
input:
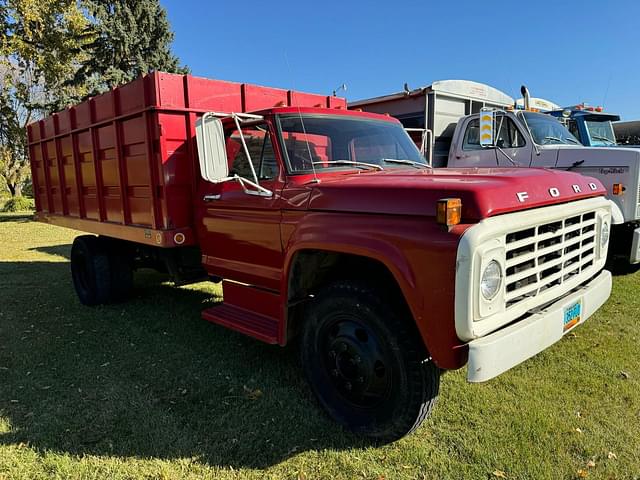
{"x": 211, "y": 198}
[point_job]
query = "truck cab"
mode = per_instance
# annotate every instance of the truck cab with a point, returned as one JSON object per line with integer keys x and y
{"x": 590, "y": 125}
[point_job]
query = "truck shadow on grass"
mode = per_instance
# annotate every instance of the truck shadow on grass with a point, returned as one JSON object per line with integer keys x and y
{"x": 147, "y": 378}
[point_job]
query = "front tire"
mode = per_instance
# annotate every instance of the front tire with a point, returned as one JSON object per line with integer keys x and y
{"x": 365, "y": 363}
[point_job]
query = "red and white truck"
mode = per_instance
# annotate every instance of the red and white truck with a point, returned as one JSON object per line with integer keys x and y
{"x": 327, "y": 227}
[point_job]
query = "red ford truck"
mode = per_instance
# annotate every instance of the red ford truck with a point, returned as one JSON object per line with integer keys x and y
{"x": 325, "y": 226}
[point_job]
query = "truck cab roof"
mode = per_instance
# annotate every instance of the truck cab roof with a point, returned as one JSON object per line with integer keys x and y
{"x": 589, "y": 115}
{"x": 325, "y": 111}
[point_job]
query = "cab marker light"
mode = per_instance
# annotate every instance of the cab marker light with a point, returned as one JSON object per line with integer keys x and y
{"x": 449, "y": 211}
{"x": 618, "y": 189}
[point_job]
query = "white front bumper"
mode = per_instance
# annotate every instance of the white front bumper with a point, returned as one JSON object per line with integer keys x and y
{"x": 493, "y": 354}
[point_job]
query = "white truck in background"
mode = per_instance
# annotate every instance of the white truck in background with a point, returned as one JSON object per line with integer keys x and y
{"x": 627, "y": 133}
{"x": 448, "y": 114}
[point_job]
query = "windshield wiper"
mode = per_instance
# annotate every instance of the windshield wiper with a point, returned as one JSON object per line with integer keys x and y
{"x": 604, "y": 139}
{"x": 406, "y": 162}
{"x": 562, "y": 140}
{"x": 351, "y": 162}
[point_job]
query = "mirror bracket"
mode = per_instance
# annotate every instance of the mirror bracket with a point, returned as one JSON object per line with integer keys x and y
{"x": 212, "y": 152}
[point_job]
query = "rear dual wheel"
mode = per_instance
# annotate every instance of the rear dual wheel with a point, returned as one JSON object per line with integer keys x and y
{"x": 366, "y": 363}
{"x": 101, "y": 270}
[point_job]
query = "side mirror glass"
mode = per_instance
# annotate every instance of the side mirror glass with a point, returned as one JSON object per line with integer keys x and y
{"x": 212, "y": 151}
{"x": 486, "y": 128}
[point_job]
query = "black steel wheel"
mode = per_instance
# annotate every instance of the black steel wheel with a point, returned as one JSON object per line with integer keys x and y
{"x": 366, "y": 364}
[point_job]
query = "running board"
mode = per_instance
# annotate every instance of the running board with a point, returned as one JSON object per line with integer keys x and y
{"x": 260, "y": 322}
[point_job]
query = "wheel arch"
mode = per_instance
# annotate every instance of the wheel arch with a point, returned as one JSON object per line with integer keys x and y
{"x": 310, "y": 267}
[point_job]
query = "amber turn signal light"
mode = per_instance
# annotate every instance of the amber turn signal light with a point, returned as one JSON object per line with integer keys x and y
{"x": 618, "y": 189}
{"x": 449, "y": 211}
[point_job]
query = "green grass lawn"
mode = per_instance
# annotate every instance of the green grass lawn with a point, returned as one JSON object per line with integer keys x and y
{"x": 147, "y": 389}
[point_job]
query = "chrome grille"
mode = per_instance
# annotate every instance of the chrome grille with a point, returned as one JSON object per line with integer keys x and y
{"x": 543, "y": 256}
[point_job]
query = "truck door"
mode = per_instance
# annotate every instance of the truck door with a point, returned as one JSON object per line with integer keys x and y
{"x": 466, "y": 150}
{"x": 513, "y": 149}
{"x": 239, "y": 232}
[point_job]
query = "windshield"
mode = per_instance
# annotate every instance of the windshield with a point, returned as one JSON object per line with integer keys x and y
{"x": 601, "y": 133}
{"x": 547, "y": 130}
{"x": 323, "y": 142}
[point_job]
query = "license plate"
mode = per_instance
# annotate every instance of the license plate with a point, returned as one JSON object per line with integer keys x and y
{"x": 572, "y": 315}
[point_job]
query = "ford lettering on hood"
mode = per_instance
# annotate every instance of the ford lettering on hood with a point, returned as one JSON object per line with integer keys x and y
{"x": 484, "y": 192}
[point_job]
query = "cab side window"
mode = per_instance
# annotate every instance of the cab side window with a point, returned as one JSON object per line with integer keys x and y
{"x": 471, "y": 140}
{"x": 268, "y": 163}
{"x": 507, "y": 134}
{"x": 260, "y": 149}
{"x": 572, "y": 125}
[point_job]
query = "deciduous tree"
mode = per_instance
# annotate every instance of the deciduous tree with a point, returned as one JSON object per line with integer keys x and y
{"x": 40, "y": 49}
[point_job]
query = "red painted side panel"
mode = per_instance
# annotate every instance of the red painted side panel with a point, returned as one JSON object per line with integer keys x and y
{"x": 136, "y": 164}
{"x": 55, "y": 186}
{"x": 89, "y": 192}
{"x": 64, "y": 121}
{"x": 69, "y": 170}
{"x": 128, "y": 157}
{"x": 225, "y": 97}
{"x": 131, "y": 97}
{"x": 37, "y": 175}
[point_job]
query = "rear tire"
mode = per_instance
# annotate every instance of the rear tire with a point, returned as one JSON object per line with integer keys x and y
{"x": 364, "y": 360}
{"x": 120, "y": 269}
{"x": 101, "y": 269}
{"x": 90, "y": 270}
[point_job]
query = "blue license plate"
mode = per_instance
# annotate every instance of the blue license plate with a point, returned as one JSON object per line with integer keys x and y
{"x": 572, "y": 315}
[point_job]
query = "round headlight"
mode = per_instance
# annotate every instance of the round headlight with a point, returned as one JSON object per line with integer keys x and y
{"x": 491, "y": 280}
{"x": 604, "y": 234}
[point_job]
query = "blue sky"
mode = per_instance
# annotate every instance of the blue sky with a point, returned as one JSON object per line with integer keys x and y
{"x": 565, "y": 51}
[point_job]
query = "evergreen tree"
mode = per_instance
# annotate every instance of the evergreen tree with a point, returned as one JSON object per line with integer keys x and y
{"x": 132, "y": 37}
{"x": 40, "y": 48}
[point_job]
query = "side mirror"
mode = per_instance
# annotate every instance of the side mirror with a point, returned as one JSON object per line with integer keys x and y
{"x": 486, "y": 128}
{"x": 212, "y": 151}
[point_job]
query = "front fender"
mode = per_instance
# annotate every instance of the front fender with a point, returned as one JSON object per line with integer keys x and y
{"x": 419, "y": 254}
{"x": 617, "y": 218}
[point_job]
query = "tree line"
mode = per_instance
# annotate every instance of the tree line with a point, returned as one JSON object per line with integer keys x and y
{"x": 55, "y": 53}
